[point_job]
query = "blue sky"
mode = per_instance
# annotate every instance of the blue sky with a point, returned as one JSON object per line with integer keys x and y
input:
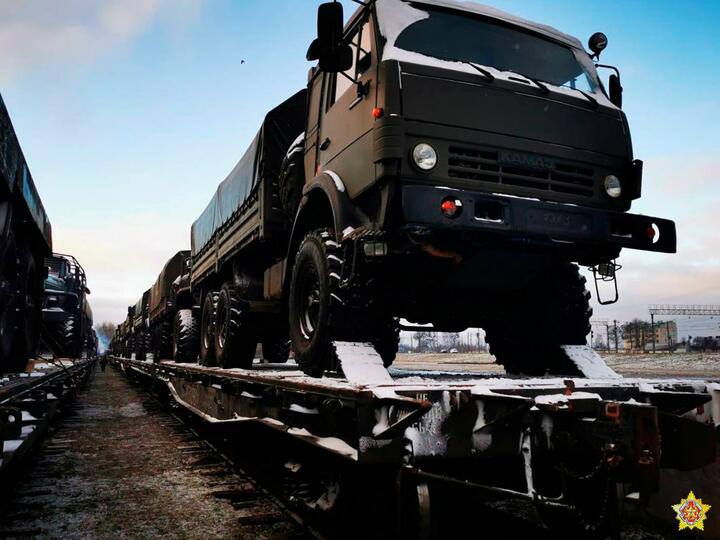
{"x": 131, "y": 111}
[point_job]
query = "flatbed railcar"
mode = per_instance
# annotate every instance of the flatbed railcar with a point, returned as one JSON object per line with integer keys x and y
{"x": 562, "y": 444}
{"x": 29, "y": 404}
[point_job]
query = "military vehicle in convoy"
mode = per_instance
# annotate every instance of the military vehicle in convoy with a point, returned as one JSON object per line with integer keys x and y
{"x": 67, "y": 316}
{"x": 170, "y": 307}
{"x": 140, "y": 324}
{"x": 25, "y": 241}
{"x": 123, "y": 343}
{"x": 448, "y": 164}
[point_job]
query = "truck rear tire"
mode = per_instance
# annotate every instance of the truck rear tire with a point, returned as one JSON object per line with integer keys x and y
{"x": 207, "y": 329}
{"x": 276, "y": 350}
{"x": 292, "y": 179}
{"x": 72, "y": 345}
{"x": 314, "y": 295}
{"x": 554, "y": 311}
{"x": 163, "y": 341}
{"x": 141, "y": 346}
{"x": 235, "y": 342}
{"x": 186, "y": 336}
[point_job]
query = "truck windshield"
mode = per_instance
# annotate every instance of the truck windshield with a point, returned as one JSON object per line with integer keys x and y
{"x": 462, "y": 38}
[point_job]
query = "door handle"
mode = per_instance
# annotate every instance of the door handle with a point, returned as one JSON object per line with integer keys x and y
{"x": 325, "y": 144}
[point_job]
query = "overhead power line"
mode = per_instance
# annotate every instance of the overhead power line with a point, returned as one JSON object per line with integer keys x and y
{"x": 701, "y": 310}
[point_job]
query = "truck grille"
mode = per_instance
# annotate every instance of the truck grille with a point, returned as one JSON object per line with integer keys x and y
{"x": 486, "y": 166}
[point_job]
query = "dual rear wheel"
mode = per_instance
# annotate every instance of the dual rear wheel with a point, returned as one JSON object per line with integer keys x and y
{"x": 229, "y": 338}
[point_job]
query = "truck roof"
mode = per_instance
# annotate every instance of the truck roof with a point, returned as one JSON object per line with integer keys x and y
{"x": 390, "y": 8}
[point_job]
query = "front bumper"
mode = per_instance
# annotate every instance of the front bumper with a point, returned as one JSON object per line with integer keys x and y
{"x": 516, "y": 217}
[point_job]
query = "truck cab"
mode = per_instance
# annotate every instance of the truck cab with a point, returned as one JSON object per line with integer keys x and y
{"x": 473, "y": 159}
{"x": 140, "y": 326}
{"x": 67, "y": 315}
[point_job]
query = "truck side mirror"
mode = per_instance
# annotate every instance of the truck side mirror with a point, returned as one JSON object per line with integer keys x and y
{"x": 328, "y": 49}
{"x": 615, "y": 89}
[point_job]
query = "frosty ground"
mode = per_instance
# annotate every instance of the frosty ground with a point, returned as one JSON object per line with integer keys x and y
{"x": 701, "y": 365}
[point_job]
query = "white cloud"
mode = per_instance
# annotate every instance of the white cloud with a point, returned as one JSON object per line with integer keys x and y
{"x": 73, "y": 32}
{"x": 683, "y": 188}
{"x": 122, "y": 257}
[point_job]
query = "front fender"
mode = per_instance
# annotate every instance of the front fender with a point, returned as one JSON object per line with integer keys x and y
{"x": 325, "y": 203}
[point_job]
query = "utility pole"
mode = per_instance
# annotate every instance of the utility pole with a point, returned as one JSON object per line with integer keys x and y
{"x": 652, "y": 326}
{"x": 607, "y": 336}
{"x": 667, "y": 329}
{"x": 616, "y": 339}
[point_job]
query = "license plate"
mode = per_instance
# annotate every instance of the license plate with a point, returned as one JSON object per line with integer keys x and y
{"x": 551, "y": 220}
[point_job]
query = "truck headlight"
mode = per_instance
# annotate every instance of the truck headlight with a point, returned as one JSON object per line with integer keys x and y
{"x": 612, "y": 186}
{"x": 424, "y": 156}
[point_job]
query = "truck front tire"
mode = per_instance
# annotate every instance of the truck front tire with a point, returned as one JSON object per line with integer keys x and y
{"x": 314, "y": 295}
{"x": 235, "y": 342}
{"x": 554, "y": 310}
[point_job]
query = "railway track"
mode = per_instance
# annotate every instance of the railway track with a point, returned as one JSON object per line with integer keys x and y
{"x": 122, "y": 464}
{"x": 31, "y": 404}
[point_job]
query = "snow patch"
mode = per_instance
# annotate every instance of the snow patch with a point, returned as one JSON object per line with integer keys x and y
{"x": 361, "y": 364}
{"x": 563, "y": 400}
{"x": 589, "y": 362}
{"x": 330, "y": 443}
{"x": 12, "y": 445}
{"x": 304, "y": 410}
{"x": 338, "y": 182}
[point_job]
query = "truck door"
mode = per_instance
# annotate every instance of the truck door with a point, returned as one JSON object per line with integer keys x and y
{"x": 345, "y": 142}
{"x": 316, "y": 87}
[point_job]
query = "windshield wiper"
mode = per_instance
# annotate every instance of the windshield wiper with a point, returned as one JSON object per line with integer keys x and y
{"x": 541, "y": 85}
{"x": 589, "y": 98}
{"x": 489, "y": 76}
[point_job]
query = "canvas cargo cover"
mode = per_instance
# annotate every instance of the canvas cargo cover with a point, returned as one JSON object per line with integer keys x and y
{"x": 261, "y": 162}
{"x": 140, "y": 309}
{"x": 15, "y": 176}
{"x": 170, "y": 272}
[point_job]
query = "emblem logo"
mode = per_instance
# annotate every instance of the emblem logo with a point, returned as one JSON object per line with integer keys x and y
{"x": 691, "y": 513}
{"x": 531, "y": 161}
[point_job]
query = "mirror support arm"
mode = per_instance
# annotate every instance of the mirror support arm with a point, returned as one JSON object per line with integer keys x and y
{"x": 606, "y": 66}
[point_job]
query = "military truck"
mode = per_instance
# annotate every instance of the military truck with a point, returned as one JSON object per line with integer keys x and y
{"x": 67, "y": 316}
{"x": 171, "y": 303}
{"x": 140, "y": 325}
{"x": 449, "y": 164}
{"x": 25, "y": 241}
{"x": 126, "y": 345}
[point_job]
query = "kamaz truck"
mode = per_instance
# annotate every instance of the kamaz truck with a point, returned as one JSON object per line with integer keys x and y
{"x": 25, "y": 241}
{"x": 448, "y": 164}
{"x": 141, "y": 327}
{"x": 67, "y": 316}
{"x": 173, "y": 335}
